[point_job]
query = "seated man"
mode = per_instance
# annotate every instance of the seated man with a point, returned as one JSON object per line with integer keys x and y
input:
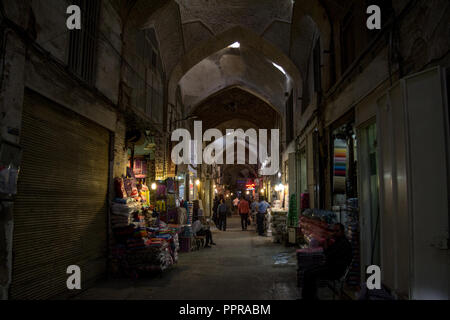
{"x": 337, "y": 259}
{"x": 203, "y": 230}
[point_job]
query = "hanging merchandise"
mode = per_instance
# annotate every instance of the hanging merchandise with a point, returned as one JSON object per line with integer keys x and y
{"x": 144, "y": 193}
{"x": 171, "y": 201}
{"x": 170, "y": 183}
{"x": 161, "y": 191}
{"x": 339, "y": 165}
{"x": 141, "y": 241}
{"x": 140, "y": 168}
{"x": 160, "y": 206}
{"x": 130, "y": 187}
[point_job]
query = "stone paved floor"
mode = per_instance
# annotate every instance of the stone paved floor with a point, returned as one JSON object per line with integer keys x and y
{"x": 241, "y": 266}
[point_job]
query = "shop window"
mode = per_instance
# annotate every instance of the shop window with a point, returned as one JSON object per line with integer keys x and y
{"x": 348, "y": 49}
{"x": 83, "y": 43}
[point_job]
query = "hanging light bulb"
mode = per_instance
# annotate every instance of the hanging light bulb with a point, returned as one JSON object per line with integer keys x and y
{"x": 197, "y": 182}
{"x": 153, "y": 186}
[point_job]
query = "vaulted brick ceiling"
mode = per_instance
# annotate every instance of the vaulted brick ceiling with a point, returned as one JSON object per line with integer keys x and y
{"x": 236, "y": 108}
{"x": 242, "y": 66}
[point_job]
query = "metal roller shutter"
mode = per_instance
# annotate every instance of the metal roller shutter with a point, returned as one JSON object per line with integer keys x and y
{"x": 60, "y": 213}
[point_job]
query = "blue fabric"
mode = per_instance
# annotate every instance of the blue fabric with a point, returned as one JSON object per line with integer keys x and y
{"x": 262, "y": 206}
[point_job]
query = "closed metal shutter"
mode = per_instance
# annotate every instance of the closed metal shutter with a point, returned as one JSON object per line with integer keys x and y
{"x": 60, "y": 214}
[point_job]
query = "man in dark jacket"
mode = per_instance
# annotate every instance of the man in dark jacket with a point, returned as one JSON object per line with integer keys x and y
{"x": 338, "y": 257}
{"x": 222, "y": 210}
{"x": 215, "y": 211}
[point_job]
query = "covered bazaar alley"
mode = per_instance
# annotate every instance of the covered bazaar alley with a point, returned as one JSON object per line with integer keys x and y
{"x": 240, "y": 266}
{"x": 224, "y": 149}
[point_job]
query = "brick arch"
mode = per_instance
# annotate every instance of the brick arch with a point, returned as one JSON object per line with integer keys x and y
{"x": 236, "y": 34}
{"x": 310, "y": 18}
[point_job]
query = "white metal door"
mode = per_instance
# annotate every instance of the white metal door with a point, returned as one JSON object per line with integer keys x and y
{"x": 427, "y": 125}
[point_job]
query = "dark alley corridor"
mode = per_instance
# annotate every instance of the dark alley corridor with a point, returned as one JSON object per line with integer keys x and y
{"x": 241, "y": 266}
{"x": 131, "y": 129}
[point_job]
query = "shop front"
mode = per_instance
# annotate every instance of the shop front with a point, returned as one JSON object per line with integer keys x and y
{"x": 60, "y": 213}
{"x": 344, "y": 188}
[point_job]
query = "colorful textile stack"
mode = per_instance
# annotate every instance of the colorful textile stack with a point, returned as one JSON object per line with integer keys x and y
{"x": 190, "y": 210}
{"x": 133, "y": 244}
{"x": 339, "y": 166}
{"x": 278, "y": 225}
{"x": 324, "y": 215}
{"x": 314, "y": 231}
{"x": 140, "y": 246}
{"x": 122, "y": 213}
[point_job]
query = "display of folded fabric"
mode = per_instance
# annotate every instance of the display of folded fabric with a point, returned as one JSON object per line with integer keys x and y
{"x": 278, "y": 225}
{"x": 315, "y": 231}
{"x": 142, "y": 243}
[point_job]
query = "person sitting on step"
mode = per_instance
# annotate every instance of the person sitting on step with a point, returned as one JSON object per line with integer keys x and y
{"x": 200, "y": 229}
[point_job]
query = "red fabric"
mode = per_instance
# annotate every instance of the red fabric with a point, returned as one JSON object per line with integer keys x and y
{"x": 243, "y": 206}
{"x": 120, "y": 188}
{"x": 304, "y": 201}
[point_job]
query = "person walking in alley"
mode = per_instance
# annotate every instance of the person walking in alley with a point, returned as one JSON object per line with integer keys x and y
{"x": 338, "y": 257}
{"x": 215, "y": 211}
{"x": 244, "y": 210}
{"x": 262, "y": 211}
{"x": 235, "y": 205}
{"x": 222, "y": 210}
